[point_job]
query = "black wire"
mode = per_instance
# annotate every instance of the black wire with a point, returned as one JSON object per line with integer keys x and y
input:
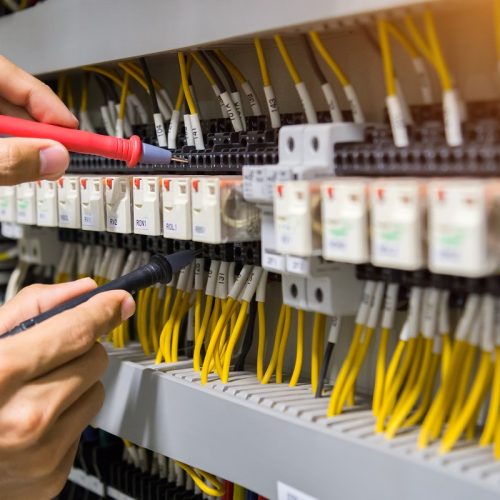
{"x": 239, "y": 364}
{"x": 314, "y": 62}
{"x": 102, "y": 87}
{"x": 151, "y": 87}
{"x": 325, "y": 363}
{"x": 231, "y": 85}
{"x": 214, "y": 73}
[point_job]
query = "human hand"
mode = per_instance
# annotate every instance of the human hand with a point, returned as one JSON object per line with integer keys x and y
{"x": 49, "y": 383}
{"x": 23, "y": 96}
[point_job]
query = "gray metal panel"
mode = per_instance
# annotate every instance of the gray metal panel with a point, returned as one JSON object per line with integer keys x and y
{"x": 259, "y": 441}
{"x": 62, "y": 34}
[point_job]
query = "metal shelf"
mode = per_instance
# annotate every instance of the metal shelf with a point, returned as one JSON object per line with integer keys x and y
{"x": 62, "y": 34}
{"x": 258, "y": 435}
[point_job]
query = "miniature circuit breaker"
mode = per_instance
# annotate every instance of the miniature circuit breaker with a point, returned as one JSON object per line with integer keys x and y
{"x": 397, "y": 223}
{"x": 26, "y": 203}
{"x": 344, "y": 208}
{"x": 147, "y": 205}
{"x": 118, "y": 199}
{"x": 46, "y": 203}
{"x": 464, "y": 227}
{"x": 7, "y": 203}
{"x": 220, "y": 213}
{"x": 92, "y": 203}
{"x": 176, "y": 207}
{"x": 297, "y": 218}
{"x": 68, "y": 201}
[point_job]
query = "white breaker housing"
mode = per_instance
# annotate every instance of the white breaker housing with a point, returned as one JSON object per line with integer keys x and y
{"x": 344, "y": 208}
{"x": 68, "y": 201}
{"x": 176, "y": 207}
{"x": 397, "y": 223}
{"x": 220, "y": 213}
{"x": 118, "y": 198}
{"x": 7, "y": 203}
{"x": 26, "y": 203}
{"x": 147, "y": 205}
{"x": 46, "y": 201}
{"x": 464, "y": 226}
{"x": 92, "y": 202}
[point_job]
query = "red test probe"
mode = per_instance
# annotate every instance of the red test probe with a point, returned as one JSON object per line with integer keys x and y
{"x": 132, "y": 151}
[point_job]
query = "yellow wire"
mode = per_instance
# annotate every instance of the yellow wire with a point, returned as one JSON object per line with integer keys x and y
{"x": 380, "y": 370}
{"x": 198, "y": 299}
{"x": 231, "y": 66}
{"x": 412, "y": 376}
{"x": 496, "y": 445}
{"x": 391, "y": 391}
{"x": 423, "y": 371}
{"x": 494, "y": 408}
{"x": 123, "y": 97}
{"x": 418, "y": 39}
{"x": 390, "y": 84}
{"x": 426, "y": 393}
{"x": 215, "y": 489}
{"x": 184, "y": 308}
{"x": 477, "y": 393}
{"x": 166, "y": 304}
{"x": 283, "y": 343}
{"x": 462, "y": 383}
{"x": 299, "y": 355}
{"x": 233, "y": 339}
{"x": 277, "y": 338}
{"x": 85, "y": 94}
{"x": 329, "y": 60}
{"x": 219, "y": 327}
{"x": 135, "y": 75}
{"x": 153, "y": 315}
{"x": 317, "y": 343}
{"x": 266, "y": 81}
{"x": 432, "y": 424}
{"x": 61, "y": 85}
{"x": 108, "y": 74}
{"x": 138, "y": 70}
{"x": 261, "y": 314}
{"x": 198, "y": 343}
{"x": 169, "y": 332}
{"x": 292, "y": 70}
{"x": 204, "y": 68}
{"x": 434, "y": 45}
{"x": 403, "y": 41}
{"x": 362, "y": 349}
{"x": 166, "y": 332}
{"x": 180, "y": 94}
{"x": 446, "y": 356}
{"x": 185, "y": 83}
{"x": 344, "y": 370}
{"x": 238, "y": 492}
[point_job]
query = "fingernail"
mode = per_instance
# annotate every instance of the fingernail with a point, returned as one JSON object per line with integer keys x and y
{"x": 53, "y": 160}
{"x": 128, "y": 308}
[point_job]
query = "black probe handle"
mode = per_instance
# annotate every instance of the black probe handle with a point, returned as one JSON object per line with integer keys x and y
{"x": 141, "y": 278}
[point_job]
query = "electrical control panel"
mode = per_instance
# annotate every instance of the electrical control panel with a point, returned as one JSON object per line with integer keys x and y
{"x": 336, "y": 170}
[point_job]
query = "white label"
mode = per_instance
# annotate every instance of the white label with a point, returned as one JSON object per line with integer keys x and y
{"x": 452, "y": 125}
{"x": 141, "y": 223}
{"x": 307, "y": 104}
{"x": 424, "y": 79}
{"x": 160, "y": 130}
{"x": 63, "y": 217}
{"x": 87, "y": 220}
{"x": 112, "y": 221}
{"x": 286, "y": 492}
{"x": 252, "y": 100}
{"x": 352, "y": 97}
{"x": 332, "y": 103}
{"x": 396, "y": 117}
{"x": 272, "y": 106}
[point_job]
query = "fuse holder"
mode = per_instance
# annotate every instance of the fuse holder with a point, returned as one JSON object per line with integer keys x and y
{"x": 26, "y": 203}
{"x": 118, "y": 199}
{"x": 7, "y": 204}
{"x": 176, "y": 207}
{"x": 147, "y": 205}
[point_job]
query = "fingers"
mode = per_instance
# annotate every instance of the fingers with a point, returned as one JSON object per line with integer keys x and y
{"x": 64, "y": 337}
{"x": 36, "y": 299}
{"x": 24, "y": 160}
{"x": 25, "y": 91}
{"x": 60, "y": 388}
{"x": 7, "y": 108}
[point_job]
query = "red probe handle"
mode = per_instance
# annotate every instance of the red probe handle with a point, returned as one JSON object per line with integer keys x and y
{"x": 77, "y": 141}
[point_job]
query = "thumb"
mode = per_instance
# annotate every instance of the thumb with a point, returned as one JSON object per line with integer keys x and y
{"x": 24, "y": 160}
